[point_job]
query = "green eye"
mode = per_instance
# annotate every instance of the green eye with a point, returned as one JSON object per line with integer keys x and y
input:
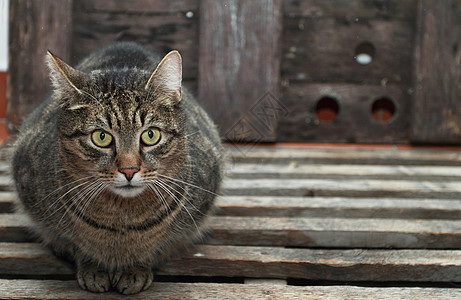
{"x": 101, "y": 138}
{"x": 151, "y": 136}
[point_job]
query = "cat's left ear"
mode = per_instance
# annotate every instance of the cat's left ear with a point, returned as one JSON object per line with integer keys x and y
{"x": 65, "y": 79}
{"x": 167, "y": 77}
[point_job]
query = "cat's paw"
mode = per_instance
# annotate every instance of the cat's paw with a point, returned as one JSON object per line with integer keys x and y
{"x": 132, "y": 280}
{"x": 93, "y": 279}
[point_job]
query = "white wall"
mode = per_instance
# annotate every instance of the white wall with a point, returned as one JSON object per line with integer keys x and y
{"x": 4, "y": 18}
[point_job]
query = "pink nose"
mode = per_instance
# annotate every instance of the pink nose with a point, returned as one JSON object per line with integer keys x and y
{"x": 129, "y": 172}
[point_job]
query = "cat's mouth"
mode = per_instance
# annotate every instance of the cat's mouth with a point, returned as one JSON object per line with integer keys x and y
{"x": 127, "y": 190}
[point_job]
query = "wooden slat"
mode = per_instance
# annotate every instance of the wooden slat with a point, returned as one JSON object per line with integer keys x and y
{"x": 437, "y": 73}
{"x": 35, "y": 27}
{"x": 310, "y": 57}
{"x": 397, "y": 156}
{"x": 336, "y": 233}
{"x": 155, "y": 25}
{"x": 53, "y": 289}
{"x": 239, "y": 41}
{"x": 304, "y": 232}
{"x": 327, "y": 207}
{"x": 137, "y": 6}
{"x": 269, "y": 262}
{"x": 297, "y": 170}
{"x": 339, "y": 207}
{"x": 7, "y": 201}
{"x": 354, "y": 122}
{"x": 343, "y": 187}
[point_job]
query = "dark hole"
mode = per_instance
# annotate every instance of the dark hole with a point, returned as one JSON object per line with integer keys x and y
{"x": 383, "y": 109}
{"x": 364, "y": 53}
{"x": 327, "y": 109}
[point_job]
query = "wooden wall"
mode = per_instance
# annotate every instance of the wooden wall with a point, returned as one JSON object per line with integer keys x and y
{"x": 272, "y": 70}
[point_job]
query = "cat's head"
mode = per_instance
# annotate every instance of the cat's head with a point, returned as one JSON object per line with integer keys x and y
{"x": 119, "y": 129}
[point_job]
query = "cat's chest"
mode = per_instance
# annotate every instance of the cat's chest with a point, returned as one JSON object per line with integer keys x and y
{"x": 119, "y": 246}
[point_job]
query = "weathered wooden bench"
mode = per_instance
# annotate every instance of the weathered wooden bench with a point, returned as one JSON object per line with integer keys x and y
{"x": 294, "y": 223}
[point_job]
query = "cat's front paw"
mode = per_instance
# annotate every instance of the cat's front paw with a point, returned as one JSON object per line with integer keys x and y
{"x": 132, "y": 280}
{"x": 93, "y": 279}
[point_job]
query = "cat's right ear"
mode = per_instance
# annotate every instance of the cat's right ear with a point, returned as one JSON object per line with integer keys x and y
{"x": 65, "y": 79}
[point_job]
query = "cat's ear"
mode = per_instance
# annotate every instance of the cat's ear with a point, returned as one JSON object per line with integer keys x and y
{"x": 64, "y": 78}
{"x": 167, "y": 77}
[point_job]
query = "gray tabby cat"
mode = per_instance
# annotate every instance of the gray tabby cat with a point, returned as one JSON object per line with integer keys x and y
{"x": 119, "y": 168}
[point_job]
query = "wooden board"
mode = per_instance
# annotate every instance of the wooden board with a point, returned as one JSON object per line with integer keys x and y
{"x": 22, "y": 259}
{"x": 437, "y": 109}
{"x": 53, "y": 289}
{"x": 35, "y": 27}
{"x": 320, "y": 38}
{"x": 239, "y": 67}
{"x": 160, "y": 26}
{"x": 354, "y": 122}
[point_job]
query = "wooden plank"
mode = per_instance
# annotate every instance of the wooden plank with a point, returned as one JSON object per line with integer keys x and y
{"x": 336, "y": 233}
{"x": 137, "y": 6}
{"x": 349, "y": 171}
{"x": 339, "y": 207}
{"x": 269, "y": 262}
{"x": 239, "y": 66}
{"x": 342, "y": 188}
{"x": 157, "y": 26}
{"x": 326, "y": 207}
{"x": 35, "y": 26}
{"x": 437, "y": 109}
{"x": 304, "y": 232}
{"x": 319, "y": 44}
{"x": 14, "y": 258}
{"x": 258, "y": 154}
{"x": 7, "y": 201}
{"x": 390, "y": 9}
{"x": 354, "y": 122}
{"x": 54, "y": 289}
{"x": 14, "y": 228}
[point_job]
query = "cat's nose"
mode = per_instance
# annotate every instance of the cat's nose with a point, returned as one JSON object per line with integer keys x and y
{"x": 129, "y": 172}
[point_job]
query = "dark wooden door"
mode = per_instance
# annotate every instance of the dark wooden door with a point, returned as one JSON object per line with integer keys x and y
{"x": 272, "y": 70}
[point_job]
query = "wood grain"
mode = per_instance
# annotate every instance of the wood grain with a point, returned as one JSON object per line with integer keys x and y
{"x": 345, "y": 188}
{"x": 35, "y": 27}
{"x": 54, "y": 289}
{"x": 320, "y": 38}
{"x": 239, "y": 65}
{"x": 413, "y": 265}
{"x": 160, "y": 26}
{"x": 350, "y": 171}
{"x": 325, "y": 155}
{"x": 304, "y": 232}
{"x": 354, "y": 122}
{"x": 339, "y": 207}
{"x": 436, "y": 106}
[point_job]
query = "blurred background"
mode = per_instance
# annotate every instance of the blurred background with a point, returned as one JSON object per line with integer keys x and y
{"x": 333, "y": 71}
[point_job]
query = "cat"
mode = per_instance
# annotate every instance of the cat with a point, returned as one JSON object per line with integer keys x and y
{"x": 120, "y": 167}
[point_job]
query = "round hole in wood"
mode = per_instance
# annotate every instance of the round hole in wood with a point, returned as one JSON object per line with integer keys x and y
{"x": 327, "y": 109}
{"x": 364, "y": 53}
{"x": 383, "y": 109}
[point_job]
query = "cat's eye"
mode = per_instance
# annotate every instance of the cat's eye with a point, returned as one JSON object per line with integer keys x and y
{"x": 101, "y": 138}
{"x": 151, "y": 136}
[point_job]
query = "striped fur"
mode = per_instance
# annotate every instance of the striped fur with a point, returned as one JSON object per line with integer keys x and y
{"x": 68, "y": 185}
